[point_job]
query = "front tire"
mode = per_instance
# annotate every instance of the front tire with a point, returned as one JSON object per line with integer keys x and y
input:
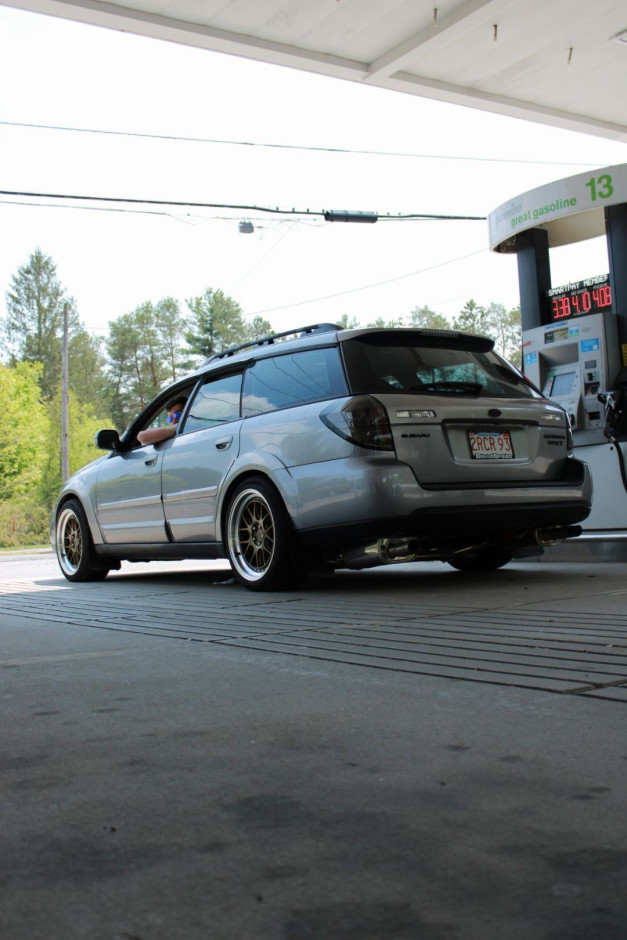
{"x": 259, "y": 542}
{"x": 74, "y": 545}
{"x": 483, "y": 559}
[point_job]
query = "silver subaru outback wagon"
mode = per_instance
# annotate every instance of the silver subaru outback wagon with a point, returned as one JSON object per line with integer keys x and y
{"x": 327, "y": 448}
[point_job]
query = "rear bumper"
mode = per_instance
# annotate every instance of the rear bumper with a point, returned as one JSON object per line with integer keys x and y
{"x": 452, "y": 524}
{"x": 384, "y": 501}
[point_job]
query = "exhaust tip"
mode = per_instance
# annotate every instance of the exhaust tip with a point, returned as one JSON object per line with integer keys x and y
{"x": 555, "y": 535}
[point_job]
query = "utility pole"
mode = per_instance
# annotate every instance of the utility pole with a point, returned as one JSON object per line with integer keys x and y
{"x": 65, "y": 398}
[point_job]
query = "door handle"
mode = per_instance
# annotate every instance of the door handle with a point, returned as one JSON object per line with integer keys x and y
{"x": 151, "y": 462}
{"x": 224, "y": 443}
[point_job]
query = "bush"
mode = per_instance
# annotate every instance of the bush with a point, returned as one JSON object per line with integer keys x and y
{"x": 23, "y": 522}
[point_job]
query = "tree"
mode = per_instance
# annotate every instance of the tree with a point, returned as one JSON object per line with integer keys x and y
{"x": 217, "y": 323}
{"x": 83, "y": 422}
{"x": 171, "y": 327}
{"x": 34, "y": 332}
{"x": 34, "y": 321}
{"x": 136, "y": 361}
{"x": 87, "y": 376}
{"x": 505, "y": 328}
{"x": 24, "y": 418}
{"x": 381, "y": 323}
{"x": 257, "y": 329}
{"x": 426, "y": 318}
{"x": 472, "y": 319}
{"x": 348, "y": 324}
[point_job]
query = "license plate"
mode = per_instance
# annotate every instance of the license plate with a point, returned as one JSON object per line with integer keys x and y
{"x": 490, "y": 445}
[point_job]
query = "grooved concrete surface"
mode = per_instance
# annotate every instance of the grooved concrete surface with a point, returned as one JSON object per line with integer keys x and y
{"x": 402, "y": 753}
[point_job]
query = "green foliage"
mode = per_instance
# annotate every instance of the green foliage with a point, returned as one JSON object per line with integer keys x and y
{"x": 23, "y": 517}
{"x": 257, "y": 329}
{"x": 144, "y": 354}
{"x": 427, "y": 319}
{"x": 217, "y": 323}
{"x": 83, "y": 423}
{"x": 34, "y": 322}
{"x": 381, "y": 323}
{"x": 24, "y": 432}
{"x": 501, "y": 325}
{"x": 348, "y": 324}
{"x": 23, "y": 521}
{"x": 86, "y": 369}
{"x": 171, "y": 326}
{"x": 420, "y": 317}
{"x": 472, "y": 319}
{"x": 147, "y": 347}
{"x": 505, "y": 328}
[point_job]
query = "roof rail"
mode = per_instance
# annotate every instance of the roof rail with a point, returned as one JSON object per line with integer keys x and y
{"x": 298, "y": 333}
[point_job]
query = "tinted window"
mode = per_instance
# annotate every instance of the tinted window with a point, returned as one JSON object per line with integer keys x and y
{"x": 372, "y": 368}
{"x": 285, "y": 381}
{"x": 217, "y": 401}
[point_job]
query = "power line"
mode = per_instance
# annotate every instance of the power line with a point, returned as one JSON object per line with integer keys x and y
{"x": 303, "y": 147}
{"x": 123, "y": 200}
{"x": 354, "y": 290}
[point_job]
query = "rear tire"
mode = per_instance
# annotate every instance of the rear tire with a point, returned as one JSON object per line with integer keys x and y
{"x": 484, "y": 559}
{"x": 259, "y": 541}
{"x": 74, "y": 545}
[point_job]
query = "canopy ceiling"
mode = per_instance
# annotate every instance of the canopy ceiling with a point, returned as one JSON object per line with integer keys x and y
{"x": 557, "y": 62}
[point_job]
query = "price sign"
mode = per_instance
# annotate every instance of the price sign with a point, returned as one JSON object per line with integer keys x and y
{"x": 592, "y": 295}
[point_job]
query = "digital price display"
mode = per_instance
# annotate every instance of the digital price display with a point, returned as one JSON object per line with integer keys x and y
{"x": 592, "y": 295}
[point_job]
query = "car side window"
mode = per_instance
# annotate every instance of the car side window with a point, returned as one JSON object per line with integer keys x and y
{"x": 289, "y": 380}
{"x": 217, "y": 401}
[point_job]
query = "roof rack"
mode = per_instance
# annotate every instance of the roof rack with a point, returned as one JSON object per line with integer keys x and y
{"x": 298, "y": 333}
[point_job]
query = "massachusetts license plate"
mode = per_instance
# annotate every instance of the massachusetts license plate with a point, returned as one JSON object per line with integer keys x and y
{"x": 490, "y": 445}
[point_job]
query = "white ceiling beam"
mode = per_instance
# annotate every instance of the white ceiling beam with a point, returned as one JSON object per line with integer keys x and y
{"x": 382, "y": 73}
{"x": 500, "y": 104}
{"x": 393, "y": 60}
{"x": 156, "y": 26}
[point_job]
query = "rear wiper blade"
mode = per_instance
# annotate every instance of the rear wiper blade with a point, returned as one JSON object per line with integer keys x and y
{"x": 449, "y": 388}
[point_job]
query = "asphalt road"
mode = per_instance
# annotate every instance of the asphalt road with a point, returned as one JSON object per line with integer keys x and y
{"x": 409, "y": 753}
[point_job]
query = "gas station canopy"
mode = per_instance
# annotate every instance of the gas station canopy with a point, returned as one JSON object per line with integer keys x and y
{"x": 556, "y": 62}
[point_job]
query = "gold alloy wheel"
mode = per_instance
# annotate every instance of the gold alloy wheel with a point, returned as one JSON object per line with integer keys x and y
{"x": 70, "y": 545}
{"x": 251, "y": 534}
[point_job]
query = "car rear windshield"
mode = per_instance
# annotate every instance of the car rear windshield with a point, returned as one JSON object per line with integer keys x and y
{"x": 377, "y": 364}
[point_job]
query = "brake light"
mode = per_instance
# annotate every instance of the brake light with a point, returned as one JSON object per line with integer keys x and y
{"x": 362, "y": 420}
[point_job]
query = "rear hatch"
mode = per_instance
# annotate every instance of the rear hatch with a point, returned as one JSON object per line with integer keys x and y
{"x": 459, "y": 413}
{"x": 461, "y": 442}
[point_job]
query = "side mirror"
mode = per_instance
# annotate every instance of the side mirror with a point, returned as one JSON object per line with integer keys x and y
{"x": 107, "y": 440}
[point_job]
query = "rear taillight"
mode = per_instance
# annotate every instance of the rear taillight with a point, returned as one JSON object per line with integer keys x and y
{"x": 362, "y": 420}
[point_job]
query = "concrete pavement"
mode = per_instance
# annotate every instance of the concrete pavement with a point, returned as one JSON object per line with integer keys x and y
{"x": 401, "y": 754}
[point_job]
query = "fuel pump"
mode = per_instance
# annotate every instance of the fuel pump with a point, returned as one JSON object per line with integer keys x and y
{"x": 574, "y": 337}
{"x": 615, "y": 409}
{"x": 571, "y": 362}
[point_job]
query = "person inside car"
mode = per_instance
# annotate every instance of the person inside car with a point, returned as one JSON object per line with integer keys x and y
{"x": 174, "y": 409}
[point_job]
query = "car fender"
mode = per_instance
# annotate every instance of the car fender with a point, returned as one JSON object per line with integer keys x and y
{"x": 77, "y": 489}
{"x": 261, "y": 463}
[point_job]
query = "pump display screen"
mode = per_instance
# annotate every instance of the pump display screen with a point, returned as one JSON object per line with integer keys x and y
{"x": 562, "y": 384}
{"x": 592, "y": 295}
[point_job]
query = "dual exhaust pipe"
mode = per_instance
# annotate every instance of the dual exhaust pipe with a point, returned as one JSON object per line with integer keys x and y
{"x": 398, "y": 551}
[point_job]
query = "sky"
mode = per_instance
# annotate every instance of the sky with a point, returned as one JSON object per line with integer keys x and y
{"x": 176, "y": 121}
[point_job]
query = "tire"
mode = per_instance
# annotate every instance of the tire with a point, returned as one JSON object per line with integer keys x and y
{"x": 484, "y": 559}
{"x": 74, "y": 545}
{"x": 259, "y": 542}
